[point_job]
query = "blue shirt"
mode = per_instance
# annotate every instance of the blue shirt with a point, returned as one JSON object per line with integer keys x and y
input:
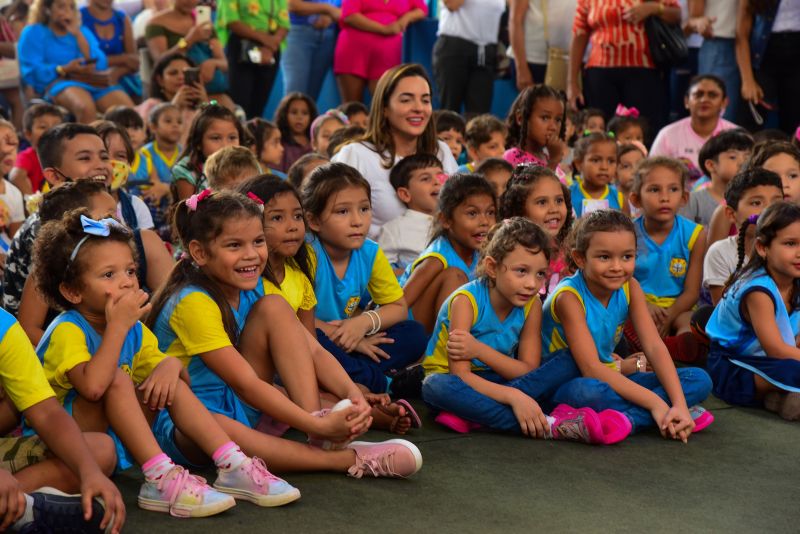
{"x": 115, "y": 45}
{"x": 443, "y": 250}
{"x": 661, "y": 269}
{"x": 605, "y": 322}
{"x": 728, "y": 328}
{"x": 583, "y": 203}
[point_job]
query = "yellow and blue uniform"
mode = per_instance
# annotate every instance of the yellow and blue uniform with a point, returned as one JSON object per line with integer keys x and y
{"x": 737, "y": 354}
{"x": 21, "y": 373}
{"x": 443, "y": 250}
{"x": 661, "y": 269}
{"x": 296, "y": 288}
{"x": 141, "y": 168}
{"x": 605, "y": 323}
{"x": 70, "y": 341}
{"x": 162, "y": 163}
{"x": 583, "y": 203}
{"x": 502, "y": 336}
{"x": 368, "y": 271}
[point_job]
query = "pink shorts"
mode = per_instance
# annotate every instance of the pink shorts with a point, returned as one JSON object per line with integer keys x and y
{"x": 366, "y": 55}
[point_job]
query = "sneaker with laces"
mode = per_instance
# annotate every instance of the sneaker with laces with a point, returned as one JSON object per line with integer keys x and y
{"x": 183, "y": 495}
{"x": 55, "y": 511}
{"x": 251, "y": 481}
{"x": 395, "y": 458}
{"x": 702, "y": 418}
{"x": 570, "y": 424}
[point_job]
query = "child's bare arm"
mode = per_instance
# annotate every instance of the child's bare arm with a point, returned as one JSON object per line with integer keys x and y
{"x": 32, "y": 311}
{"x": 693, "y": 280}
{"x": 761, "y": 314}
{"x": 306, "y": 318}
{"x": 421, "y": 278}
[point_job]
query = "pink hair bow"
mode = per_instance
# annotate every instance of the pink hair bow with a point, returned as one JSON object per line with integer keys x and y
{"x": 197, "y": 198}
{"x": 797, "y": 133}
{"x": 255, "y": 198}
{"x": 622, "y": 111}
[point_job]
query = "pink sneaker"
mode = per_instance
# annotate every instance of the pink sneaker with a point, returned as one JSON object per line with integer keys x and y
{"x": 581, "y": 425}
{"x": 455, "y": 423}
{"x": 251, "y": 481}
{"x": 183, "y": 495}
{"x": 702, "y": 418}
{"x": 273, "y": 427}
{"x": 616, "y": 426}
{"x": 395, "y": 458}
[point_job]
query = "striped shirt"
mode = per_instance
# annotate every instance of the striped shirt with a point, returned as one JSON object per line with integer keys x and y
{"x": 615, "y": 42}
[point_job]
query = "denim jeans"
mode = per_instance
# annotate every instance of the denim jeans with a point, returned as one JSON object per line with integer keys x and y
{"x": 598, "y": 395}
{"x": 718, "y": 57}
{"x": 446, "y": 392}
{"x": 307, "y": 58}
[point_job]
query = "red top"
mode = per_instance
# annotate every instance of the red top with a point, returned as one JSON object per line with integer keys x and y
{"x": 28, "y": 160}
{"x": 615, "y": 42}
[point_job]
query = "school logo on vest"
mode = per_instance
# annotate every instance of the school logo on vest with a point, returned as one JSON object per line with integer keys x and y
{"x": 677, "y": 267}
{"x": 350, "y": 307}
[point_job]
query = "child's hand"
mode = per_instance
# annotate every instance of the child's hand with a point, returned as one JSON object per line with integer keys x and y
{"x": 532, "y": 420}
{"x": 12, "y": 500}
{"x": 369, "y": 347}
{"x": 378, "y": 399}
{"x": 678, "y": 423}
{"x": 658, "y": 314}
{"x": 156, "y": 192}
{"x": 100, "y": 487}
{"x": 349, "y": 332}
{"x": 128, "y": 309}
{"x": 461, "y": 345}
{"x": 343, "y": 425}
{"x": 158, "y": 389}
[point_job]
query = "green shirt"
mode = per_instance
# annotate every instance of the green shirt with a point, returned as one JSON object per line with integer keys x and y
{"x": 261, "y": 15}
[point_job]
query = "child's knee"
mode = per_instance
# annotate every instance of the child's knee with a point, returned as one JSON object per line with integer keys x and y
{"x": 103, "y": 451}
{"x": 696, "y": 383}
{"x": 269, "y": 306}
{"x": 438, "y": 388}
{"x": 583, "y": 391}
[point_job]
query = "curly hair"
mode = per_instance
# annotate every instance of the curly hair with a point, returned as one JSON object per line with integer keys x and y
{"x": 67, "y": 197}
{"x": 520, "y": 186}
{"x": 457, "y": 189}
{"x": 506, "y": 235}
{"x": 52, "y": 251}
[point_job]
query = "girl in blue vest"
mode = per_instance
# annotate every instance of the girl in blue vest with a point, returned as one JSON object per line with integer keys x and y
{"x": 596, "y": 161}
{"x": 103, "y": 362}
{"x": 467, "y": 209}
{"x": 754, "y": 358}
{"x": 585, "y": 316}
{"x": 212, "y": 314}
{"x": 483, "y": 361}
{"x": 669, "y": 264}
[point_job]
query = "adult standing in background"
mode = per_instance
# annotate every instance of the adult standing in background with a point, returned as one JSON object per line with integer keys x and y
{"x": 768, "y": 53}
{"x": 620, "y": 69}
{"x": 309, "y": 47}
{"x": 252, "y": 32}
{"x": 371, "y": 41}
{"x": 465, "y": 54}
{"x": 715, "y": 21}
{"x": 526, "y": 33}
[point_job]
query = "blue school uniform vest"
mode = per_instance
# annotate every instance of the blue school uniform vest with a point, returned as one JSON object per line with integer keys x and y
{"x": 583, "y": 204}
{"x": 442, "y": 249}
{"x": 605, "y": 322}
{"x": 661, "y": 269}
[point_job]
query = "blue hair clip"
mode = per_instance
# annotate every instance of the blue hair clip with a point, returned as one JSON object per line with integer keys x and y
{"x": 91, "y": 227}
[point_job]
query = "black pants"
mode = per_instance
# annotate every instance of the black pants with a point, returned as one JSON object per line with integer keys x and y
{"x": 779, "y": 77}
{"x": 250, "y": 84}
{"x": 644, "y": 89}
{"x": 464, "y": 74}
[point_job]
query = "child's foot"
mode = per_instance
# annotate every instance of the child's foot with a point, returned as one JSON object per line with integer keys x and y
{"x": 702, "y": 418}
{"x": 396, "y": 458}
{"x": 787, "y": 405}
{"x": 456, "y": 423}
{"x": 327, "y": 444}
{"x": 583, "y": 424}
{"x": 397, "y": 417}
{"x": 55, "y": 511}
{"x": 616, "y": 426}
{"x": 183, "y": 495}
{"x": 251, "y": 481}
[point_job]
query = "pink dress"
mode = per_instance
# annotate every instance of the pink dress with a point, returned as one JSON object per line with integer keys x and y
{"x": 366, "y": 54}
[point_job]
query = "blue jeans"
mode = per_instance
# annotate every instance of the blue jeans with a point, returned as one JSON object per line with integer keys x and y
{"x": 598, "y": 395}
{"x": 718, "y": 57}
{"x": 446, "y": 392}
{"x": 307, "y": 59}
{"x": 410, "y": 341}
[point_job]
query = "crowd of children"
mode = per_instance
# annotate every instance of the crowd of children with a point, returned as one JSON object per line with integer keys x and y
{"x": 221, "y": 276}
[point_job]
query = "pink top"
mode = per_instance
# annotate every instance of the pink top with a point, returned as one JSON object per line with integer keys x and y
{"x": 679, "y": 140}
{"x": 28, "y": 160}
{"x": 516, "y": 156}
{"x": 382, "y": 11}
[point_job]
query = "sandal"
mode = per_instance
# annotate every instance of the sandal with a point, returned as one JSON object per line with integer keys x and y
{"x": 410, "y": 413}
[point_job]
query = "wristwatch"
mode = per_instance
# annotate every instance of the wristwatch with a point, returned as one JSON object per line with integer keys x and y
{"x": 182, "y": 44}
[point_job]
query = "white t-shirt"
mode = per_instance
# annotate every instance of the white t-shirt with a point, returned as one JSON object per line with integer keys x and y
{"x": 14, "y": 201}
{"x": 142, "y": 213}
{"x": 476, "y": 20}
{"x": 724, "y": 11}
{"x": 385, "y": 204}
{"x": 403, "y": 239}
{"x": 720, "y": 262}
{"x": 787, "y": 19}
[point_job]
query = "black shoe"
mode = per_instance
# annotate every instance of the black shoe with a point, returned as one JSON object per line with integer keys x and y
{"x": 55, "y": 512}
{"x": 407, "y": 384}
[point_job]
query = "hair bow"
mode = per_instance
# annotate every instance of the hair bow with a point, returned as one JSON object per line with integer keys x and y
{"x": 91, "y": 227}
{"x": 797, "y": 133}
{"x": 255, "y": 198}
{"x": 753, "y": 219}
{"x": 197, "y": 198}
{"x": 622, "y": 111}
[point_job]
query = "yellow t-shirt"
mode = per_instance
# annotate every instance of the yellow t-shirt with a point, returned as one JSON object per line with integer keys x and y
{"x": 21, "y": 374}
{"x": 296, "y": 288}
{"x": 195, "y": 326}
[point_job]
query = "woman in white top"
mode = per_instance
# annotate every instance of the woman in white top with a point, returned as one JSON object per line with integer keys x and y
{"x": 465, "y": 54}
{"x": 399, "y": 125}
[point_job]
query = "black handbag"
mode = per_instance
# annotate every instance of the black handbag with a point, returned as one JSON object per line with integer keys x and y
{"x": 668, "y": 46}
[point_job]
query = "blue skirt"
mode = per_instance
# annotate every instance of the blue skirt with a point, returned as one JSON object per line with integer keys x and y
{"x": 734, "y": 375}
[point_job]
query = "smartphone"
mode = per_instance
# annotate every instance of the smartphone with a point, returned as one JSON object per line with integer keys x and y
{"x": 202, "y": 15}
{"x": 191, "y": 75}
{"x": 90, "y": 61}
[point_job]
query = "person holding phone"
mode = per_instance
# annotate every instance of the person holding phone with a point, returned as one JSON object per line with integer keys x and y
{"x": 62, "y": 61}
{"x": 252, "y": 32}
{"x": 186, "y": 28}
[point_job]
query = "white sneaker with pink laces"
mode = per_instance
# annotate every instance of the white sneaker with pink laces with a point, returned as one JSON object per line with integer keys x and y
{"x": 183, "y": 495}
{"x": 395, "y": 458}
{"x": 251, "y": 481}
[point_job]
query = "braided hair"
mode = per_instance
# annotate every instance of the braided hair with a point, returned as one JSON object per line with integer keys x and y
{"x": 521, "y": 110}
